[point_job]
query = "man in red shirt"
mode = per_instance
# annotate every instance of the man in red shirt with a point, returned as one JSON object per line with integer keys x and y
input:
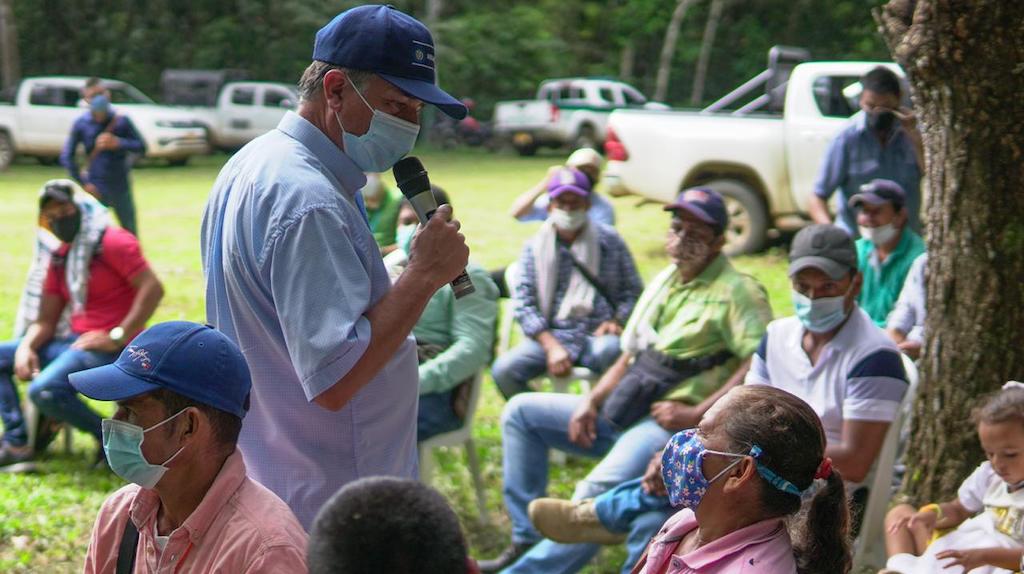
{"x": 100, "y": 272}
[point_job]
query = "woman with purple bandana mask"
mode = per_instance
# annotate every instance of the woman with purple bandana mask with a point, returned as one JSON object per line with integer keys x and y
{"x": 738, "y": 477}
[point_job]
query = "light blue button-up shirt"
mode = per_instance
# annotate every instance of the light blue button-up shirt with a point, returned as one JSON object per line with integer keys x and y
{"x": 856, "y": 157}
{"x": 291, "y": 269}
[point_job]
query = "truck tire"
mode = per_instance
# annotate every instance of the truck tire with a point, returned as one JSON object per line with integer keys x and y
{"x": 587, "y": 137}
{"x": 748, "y": 216}
{"x": 6, "y": 151}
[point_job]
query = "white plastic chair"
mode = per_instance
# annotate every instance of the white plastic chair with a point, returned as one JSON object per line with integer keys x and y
{"x": 462, "y": 436}
{"x": 869, "y": 548}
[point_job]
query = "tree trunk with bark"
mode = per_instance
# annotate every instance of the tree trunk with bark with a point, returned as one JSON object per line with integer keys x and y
{"x": 10, "y": 69}
{"x": 668, "y": 49}
{"x": 965, "y": 61}
{"x": 710, "y": 30}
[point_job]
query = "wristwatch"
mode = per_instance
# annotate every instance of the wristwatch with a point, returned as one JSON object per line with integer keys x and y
{"x": 117, "y": 335}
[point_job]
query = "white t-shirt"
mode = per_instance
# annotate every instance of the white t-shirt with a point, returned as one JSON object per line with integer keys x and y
{"x": 859, "y": 374}
{"x": 984, "y": 490}
{"x": 999, "y": 524}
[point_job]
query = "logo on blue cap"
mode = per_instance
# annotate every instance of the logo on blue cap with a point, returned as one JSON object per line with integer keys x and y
{"x": 140, "y": 356}
{"x": 391, "y": 44}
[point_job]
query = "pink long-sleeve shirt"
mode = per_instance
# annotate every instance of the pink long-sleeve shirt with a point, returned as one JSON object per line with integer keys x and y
{"x": 761, "y": 548}
{"x": 239, "y": 527}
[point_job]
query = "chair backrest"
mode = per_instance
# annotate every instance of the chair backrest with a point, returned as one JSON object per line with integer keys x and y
{"x": 507, "y": 324}
{"x": 869, "y": 549}
{"x": 474, "y": 398}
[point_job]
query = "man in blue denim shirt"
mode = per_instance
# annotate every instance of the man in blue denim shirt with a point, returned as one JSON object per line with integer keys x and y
{"x": 108, "y": 138}
{"x": 880, "y": 143}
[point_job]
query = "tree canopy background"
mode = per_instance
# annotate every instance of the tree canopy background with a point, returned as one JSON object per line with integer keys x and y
{"x": 489, "y": 51}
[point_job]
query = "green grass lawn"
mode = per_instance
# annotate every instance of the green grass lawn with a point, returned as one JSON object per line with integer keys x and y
{"x": 46, "y": 518}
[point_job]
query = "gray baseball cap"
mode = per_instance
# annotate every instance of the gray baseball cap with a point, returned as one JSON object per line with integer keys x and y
{"x": 824, "y": 247}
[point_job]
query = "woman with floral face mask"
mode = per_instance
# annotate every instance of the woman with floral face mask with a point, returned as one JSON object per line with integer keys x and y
{"x": 738, "y": 476}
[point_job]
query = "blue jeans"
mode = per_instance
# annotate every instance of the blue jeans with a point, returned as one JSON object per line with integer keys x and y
{"x": 628, "y": 509}
{"x": 121, "y": 201}
{"x": 514, "y": 369}
{"x": 50, "y": 390}
{"x": 435, "y": 416}
{"x": 531, "y": 424}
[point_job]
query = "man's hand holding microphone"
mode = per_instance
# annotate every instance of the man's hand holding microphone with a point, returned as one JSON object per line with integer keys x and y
{"x": 439, "y": 250}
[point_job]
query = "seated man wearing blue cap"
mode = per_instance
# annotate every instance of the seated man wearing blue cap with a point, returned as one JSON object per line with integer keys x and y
{"x": 108, "y": 138}
{"x": 182, "y": 390}
{"x": 887, "y": 246}
{"x": 688, "y": 341}
{"x": 294, "y": 276}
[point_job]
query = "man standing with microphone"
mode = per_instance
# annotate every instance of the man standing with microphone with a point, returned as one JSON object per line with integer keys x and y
{"x": 294, "y": 276}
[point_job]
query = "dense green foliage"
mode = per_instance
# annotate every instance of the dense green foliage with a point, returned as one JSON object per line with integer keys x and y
{"x": 489, "y": 51}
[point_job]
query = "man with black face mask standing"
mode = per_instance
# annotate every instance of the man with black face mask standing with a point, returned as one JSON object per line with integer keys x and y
{"x": 100, "y": 272}
{"x": 882, "y": 142}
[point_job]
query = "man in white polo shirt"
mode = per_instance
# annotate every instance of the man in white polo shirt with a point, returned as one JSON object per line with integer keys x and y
{"x": 831, "y": 354}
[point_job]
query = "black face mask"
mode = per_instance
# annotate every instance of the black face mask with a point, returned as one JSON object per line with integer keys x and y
{"x": 66, "y": 227}
{"x": 881, "y": 122}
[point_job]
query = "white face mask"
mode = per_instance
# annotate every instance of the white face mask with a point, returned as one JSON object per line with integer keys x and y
{"x": 388, "y": 140}
{"x": 568, "y": 220}
{"x": 880, "y": 235}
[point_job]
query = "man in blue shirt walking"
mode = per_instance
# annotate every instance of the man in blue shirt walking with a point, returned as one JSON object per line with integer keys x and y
{"x": 108, "y": 138}
{"x": 882, "y": 142}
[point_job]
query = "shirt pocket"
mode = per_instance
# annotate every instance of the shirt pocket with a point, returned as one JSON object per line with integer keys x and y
{"x": 864, "y": 167}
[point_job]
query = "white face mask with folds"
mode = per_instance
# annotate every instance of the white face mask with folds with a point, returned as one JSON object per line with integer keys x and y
{"x": 880, "y": 235}
{"x": 568, "y": 220}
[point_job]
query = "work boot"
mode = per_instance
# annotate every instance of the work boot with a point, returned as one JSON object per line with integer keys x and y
{"x": 507, "y": 558}
{"x": 571, "y": 522}
{"x": 11, "y": 455}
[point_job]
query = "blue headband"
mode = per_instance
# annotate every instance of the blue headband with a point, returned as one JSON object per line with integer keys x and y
{"x": 772, "y": 478}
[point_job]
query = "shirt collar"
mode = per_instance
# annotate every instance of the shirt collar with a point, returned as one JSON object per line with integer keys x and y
{"x": 728, "y": 545}
{"x": 713, "y": 270}
{"x": 344, "y": 169}
{"x": 231, "y": 476}
{"x": 902, "y": 247}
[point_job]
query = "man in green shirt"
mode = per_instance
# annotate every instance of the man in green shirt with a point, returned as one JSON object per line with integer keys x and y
{"x": 688, "y": 341}
{"x": 887, "y": 246}
{"x": 454, "y": 337}
{"x": 382, "y": 205}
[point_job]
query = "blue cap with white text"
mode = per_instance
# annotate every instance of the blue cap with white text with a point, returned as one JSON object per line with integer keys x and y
{"x": 192, "y": 360}
{"x": 391, "y": 44}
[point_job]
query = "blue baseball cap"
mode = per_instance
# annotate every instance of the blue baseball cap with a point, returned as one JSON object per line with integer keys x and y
{"x": 704, "y": 203}
{"x": 192, "y": 360}
{"x": 391, "y": 44}
{"x": 879, "y": 191}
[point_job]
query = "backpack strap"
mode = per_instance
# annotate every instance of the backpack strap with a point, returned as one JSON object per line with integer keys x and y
{"x": 126, "y": 550}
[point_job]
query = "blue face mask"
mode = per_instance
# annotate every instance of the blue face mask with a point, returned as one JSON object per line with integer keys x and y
{"x": 122, "y": 443}
{"x": 820, "y": 315}
{"x": 388, "y": 140}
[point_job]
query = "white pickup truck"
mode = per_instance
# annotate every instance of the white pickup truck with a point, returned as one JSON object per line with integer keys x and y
{"x": 39, "y": 120}
{"x": 245, "y": 111}
{"x": 566, "y": 111}
{"x": 763, "y": 162}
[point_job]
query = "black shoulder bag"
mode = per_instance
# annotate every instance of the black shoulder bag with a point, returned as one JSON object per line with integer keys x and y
{"x": 126, "y": 550}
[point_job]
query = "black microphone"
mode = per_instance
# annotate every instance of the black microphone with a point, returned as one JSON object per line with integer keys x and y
{"x": 412, "y": 179}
